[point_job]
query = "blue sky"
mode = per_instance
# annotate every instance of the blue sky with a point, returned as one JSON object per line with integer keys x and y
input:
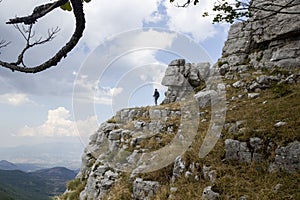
{"x": 139, "y": 39}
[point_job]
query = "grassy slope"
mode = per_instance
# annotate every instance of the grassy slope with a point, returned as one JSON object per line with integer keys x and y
{"x": 239, "y": 179}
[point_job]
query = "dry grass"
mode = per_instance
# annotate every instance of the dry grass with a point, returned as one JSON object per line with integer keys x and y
{"x": 262, "y": 113}
{"x": 122, "y": 190}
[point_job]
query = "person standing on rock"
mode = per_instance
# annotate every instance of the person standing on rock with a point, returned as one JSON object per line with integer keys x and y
{"x": 156, "y": 96}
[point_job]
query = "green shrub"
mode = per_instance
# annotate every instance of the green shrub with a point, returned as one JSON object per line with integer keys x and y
{"x": 281, "y": 90}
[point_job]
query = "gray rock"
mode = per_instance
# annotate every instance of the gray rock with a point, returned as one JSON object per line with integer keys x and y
{"x": 187, "y": 174}
{"x": 244, "y": 197}
{"x": 224, "y": 69}
{"x": 155, "y": 114}
{"x": 285, "y": 53}
{"x": 254, "y": 86}
{"x": 178, "y": 62}
{"x": 238, "y": 84}
{"x": 204, "y": 98}
{"x": 144, "y": 190}
{"x": 253, "y": 95}
{"x": 205, "y": 171}
{"x": 209, "y": 194}
{"x": 244, "y": 152}
{"x": 232, "y": 148}
{"x": 113, "y": 145}
{"x": 178, "y": 169}
{"x": 124, "y": 115}
{"x": 276, "y": 34}
{"x": 111, "y": 175}
{"x": 245, "y": 156}
{"x": 181, "y": 78}
{"x": 257, "y": 157}
{"x": 279, "y": 124}
{"x": 133, "y": 158}
{"x": 277, "y": 187}
{"x": 173, "y": 189}
{"x": 212, "y": 176}
{"x": 115, "y": 134}
{"x": 288, "y": 157}
{"x": 93, "y": 138}
{"x": 139, "y": 125}
{"x": 256, "y": 144}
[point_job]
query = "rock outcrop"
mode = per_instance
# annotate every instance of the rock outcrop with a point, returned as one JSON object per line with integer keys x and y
{"x": 124, "y": 135}
{"x": 182, "y": 78}
{"x": 262, "y": 42}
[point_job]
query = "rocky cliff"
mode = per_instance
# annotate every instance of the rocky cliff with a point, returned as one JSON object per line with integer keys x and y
{"x": 264, "y": 41}
{"x": 257, "y": 153}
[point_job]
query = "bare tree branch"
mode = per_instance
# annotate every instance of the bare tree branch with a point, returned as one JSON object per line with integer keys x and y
{"x": 4, "y": 43}
{"x": 39, "y": 12}
{"x": 28, "y": 34}
{"x": 186, "y": 4}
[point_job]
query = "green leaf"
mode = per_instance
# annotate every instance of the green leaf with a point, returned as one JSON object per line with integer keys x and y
{"x": 67, "y": 6}
{"x": 87, "y": 1}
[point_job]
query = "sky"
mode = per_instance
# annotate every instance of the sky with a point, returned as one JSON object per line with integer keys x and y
{"x": 121, "y": 58}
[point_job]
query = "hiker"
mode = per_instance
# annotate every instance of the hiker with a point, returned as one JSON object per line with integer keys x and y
{"x": 156, "y": 95}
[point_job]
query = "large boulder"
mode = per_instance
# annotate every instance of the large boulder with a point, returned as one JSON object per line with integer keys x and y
{"x": 182, "y": 78}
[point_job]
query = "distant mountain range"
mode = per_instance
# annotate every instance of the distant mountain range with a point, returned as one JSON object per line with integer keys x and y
{"x": 46, "y": 155}
{"x": 5, "y": 165}
{"x": 25, "y": 167}
{"x": 38, "y": 185}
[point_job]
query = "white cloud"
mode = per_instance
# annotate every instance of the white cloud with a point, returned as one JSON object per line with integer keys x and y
{"x": 58, "y": 124}
{"x": 107, "y": 17}
{"x": 154, "y": 17}
{"x": 115, "y": 91}
{"x": 15, "y": 99}
{"x": 190, "y": 20}
{"x": 89, "y": 91}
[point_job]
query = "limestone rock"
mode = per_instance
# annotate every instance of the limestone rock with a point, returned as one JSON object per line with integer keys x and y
{"x": 279, "y": 124}
{"x": 253, "y": 95}
{"x": 264, "y": 43}
{"x": 209, "y": 194}
{"x": 238, "y": 84}
{"x": 144, "y": 190}
{"x": 288, "y": 157}
{"x": 243, "y": 151}
{"x": 99, "y": 182}
{"x": 178, "y": 169}
{"x": 204, "y": 98}
{"x": 181, "y": 78}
